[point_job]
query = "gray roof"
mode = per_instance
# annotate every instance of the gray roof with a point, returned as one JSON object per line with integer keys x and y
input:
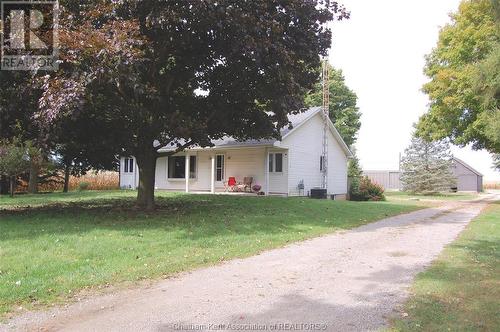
{"x": 298, "y": 118}
{"x": 460, "y": 161}
{"x": 295, "y": 120}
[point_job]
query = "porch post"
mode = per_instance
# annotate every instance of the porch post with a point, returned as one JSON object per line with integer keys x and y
{"x": 212, "y": 177}
{"x": 187, "y": 173}
{"x": 266, "y": 171}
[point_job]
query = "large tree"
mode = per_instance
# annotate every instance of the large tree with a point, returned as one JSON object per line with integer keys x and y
{"x": 18, "y": 104}
{"x": 14, "y": 160}
{"x": 426, "y": 167}
{"x": 496, "y": 162}
{"x": 69, "y": 139}
{"x": 181, "y": 73}
{"x": 82, "y": 143}
{"x": 343, "y": 109}
{"x": 464, "y": 77}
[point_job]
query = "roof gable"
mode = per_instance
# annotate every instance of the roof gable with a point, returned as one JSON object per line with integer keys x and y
{"x": 464, "y": 164}
{"x": 311, "y": 113}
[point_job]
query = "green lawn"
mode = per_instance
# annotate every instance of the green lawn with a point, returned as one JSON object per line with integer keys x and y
{"x": 53, "y": 245}
{"x": 24, "y": 201}
{"x": 461, "y": 290}
{"x": 394, "y": 196}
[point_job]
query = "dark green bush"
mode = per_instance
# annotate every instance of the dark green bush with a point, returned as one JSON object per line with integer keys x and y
{"x": 363, "y": 189}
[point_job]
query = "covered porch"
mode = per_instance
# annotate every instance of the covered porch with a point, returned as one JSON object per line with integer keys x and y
{"x": 209, "y": 170}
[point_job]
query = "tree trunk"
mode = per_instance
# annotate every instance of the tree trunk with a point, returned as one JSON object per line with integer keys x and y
{"x": 66, "y": 179}
{"x": 33, "y": 180}
{"x": 146, "y": 162}
{"x": 12, "y": 186}
{"x": 4, "y": 185}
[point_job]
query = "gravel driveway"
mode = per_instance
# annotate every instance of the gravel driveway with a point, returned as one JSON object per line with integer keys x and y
{"x": 347, "y": 281}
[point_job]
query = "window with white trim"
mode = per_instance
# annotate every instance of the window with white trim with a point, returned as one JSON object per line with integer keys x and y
{"x": 177, "y": 167}
{"x": 128, "y": 165}
{"x": 322, "y": 163}
{"x": 275, "y": 162}
{"x": 219, "y": 167}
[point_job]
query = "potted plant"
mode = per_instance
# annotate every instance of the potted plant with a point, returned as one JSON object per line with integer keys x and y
{"x": 256, "y": 188}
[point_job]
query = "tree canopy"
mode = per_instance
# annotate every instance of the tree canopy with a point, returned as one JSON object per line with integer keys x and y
{"x": 464, "y": 72}
{"x": 343, "y": 110}
{"x": 181, "y": 73}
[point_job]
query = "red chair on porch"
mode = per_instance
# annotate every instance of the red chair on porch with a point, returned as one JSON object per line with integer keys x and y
{"x": 231, "y": 183}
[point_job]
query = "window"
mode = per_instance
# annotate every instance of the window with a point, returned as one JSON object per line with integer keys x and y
{"x": 128, "y": 165}
{"x": 322, "y": 163}
{"x": 219, "y": 167}
{"x": 276, "y": 162}
{"x": 192, "y": 167}
{"x": 177, "y": 167}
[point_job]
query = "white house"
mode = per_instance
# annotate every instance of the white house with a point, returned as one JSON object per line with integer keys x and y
{"x": 278, "y": 166}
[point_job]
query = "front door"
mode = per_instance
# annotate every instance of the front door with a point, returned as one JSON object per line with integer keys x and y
{"x": 278, "y": 172}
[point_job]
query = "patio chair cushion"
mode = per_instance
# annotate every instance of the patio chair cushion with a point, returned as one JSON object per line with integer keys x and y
{"x": 231, "y": 181}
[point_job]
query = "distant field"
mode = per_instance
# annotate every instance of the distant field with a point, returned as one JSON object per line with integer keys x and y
{"x": 95, "y": 181}
{"x": 491, "y": 185}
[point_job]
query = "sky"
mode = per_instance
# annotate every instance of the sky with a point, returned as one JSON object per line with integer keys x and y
{"x": 381, "y": 50}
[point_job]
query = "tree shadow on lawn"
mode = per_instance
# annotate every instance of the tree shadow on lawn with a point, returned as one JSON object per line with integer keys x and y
{"x": 196, "y": 216}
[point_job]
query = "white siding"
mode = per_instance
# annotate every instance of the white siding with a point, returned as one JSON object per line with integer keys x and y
{"x": 246, "y": 162}
{"x": 305, "y": 148}
{"x": 240, "y": 163}
{"x": 200, "y": 183}
{"x": 337, "y": 167}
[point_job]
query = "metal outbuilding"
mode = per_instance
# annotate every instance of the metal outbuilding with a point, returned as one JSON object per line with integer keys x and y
{"x": 387, "y": 179}
{"x": 468, "y": 179}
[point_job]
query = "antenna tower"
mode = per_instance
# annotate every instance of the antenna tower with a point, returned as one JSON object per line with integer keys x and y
{"x": 325, "y": 111}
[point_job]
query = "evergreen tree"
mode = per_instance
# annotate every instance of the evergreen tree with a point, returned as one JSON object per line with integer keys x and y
{"x": 353, "y": 167}
{"x": 426, "y": 167}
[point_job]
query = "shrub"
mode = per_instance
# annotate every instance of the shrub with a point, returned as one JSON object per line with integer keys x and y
{"x": 363, "y": 189}
{"x": 83, "y": 186}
